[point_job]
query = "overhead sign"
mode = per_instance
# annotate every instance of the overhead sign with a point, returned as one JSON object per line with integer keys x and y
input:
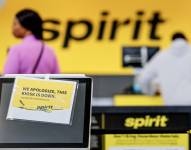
{"x": 88, "y": 36}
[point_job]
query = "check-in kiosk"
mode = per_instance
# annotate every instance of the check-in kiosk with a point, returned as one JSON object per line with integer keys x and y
{"x": 21, "y": 134}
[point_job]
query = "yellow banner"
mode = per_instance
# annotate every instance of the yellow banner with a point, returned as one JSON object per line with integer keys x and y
{"x": 88, "y": 35}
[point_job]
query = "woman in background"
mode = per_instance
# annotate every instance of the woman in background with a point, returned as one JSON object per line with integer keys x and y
{"x": 31, "y": 56}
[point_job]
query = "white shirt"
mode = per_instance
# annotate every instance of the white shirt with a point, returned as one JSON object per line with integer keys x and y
{"x": 171, "y": 70}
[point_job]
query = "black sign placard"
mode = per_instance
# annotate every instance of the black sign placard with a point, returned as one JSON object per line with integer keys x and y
{"x": 175, "y": 122}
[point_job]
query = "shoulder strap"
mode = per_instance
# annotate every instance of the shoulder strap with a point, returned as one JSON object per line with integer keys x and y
{"x": 38, "y": 59}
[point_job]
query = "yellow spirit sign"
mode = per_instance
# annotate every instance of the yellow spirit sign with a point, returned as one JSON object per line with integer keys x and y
{"x": 88, "y": 35}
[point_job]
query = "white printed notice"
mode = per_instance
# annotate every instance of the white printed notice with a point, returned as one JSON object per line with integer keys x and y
{"x": 42, "y": 100}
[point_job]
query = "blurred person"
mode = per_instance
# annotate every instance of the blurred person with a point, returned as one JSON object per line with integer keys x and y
{"x": 31, "y": 56}
{"x": 168, "y": 72}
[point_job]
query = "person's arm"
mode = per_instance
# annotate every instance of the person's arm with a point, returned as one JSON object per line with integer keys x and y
{"x": 146, "y": 79}
{"x": 12, "y": 62}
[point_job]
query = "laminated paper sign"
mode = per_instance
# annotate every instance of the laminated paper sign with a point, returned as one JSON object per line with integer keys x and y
{"x": 42, "y": 100}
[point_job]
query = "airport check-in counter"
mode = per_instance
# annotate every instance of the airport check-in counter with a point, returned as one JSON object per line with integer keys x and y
{"x": 141, "y": 128}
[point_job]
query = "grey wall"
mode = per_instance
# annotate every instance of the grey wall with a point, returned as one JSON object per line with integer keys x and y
{"x": 107, "y": 86}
